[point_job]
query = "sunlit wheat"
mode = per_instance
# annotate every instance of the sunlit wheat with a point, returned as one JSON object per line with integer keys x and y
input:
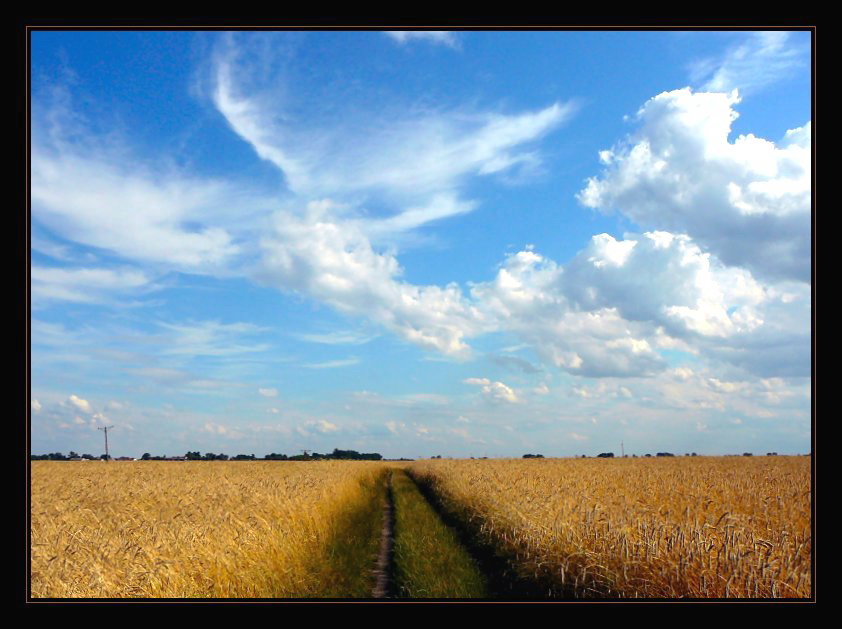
{"x": 698, "y": 527}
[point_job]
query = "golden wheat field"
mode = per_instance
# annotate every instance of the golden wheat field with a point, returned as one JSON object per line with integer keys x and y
{"x": 197, "y": 529}
{"x": 695, "y": 527}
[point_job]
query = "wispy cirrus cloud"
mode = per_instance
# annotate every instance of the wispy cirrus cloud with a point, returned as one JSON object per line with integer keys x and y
{"x": 86, "y": 285}
{"x": 445, "y": 38}
{"x": 101, "y": 193}
{"x": 211, "y": 338}
{"x": 137, "y": 215}
{"x": 761, "y": 59}
{"x": 414, "y": 157}
{"x": 334, "y": 364}
{"x": 337, "y": 337}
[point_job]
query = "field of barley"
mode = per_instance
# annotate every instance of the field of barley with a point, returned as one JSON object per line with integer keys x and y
{"x": 204, "y": 529}
{"x": 698, "y": 527}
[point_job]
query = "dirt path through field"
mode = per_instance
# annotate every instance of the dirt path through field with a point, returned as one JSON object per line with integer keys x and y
{"x": 383, "y": 587}
{"x": 413, "y": 568}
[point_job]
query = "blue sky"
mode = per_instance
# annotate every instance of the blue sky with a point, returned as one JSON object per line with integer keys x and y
{"x": 459, "y": 243}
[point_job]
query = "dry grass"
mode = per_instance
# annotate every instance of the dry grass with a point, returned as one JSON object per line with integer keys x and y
{"x": 699, "y": 527}
{"x": 202, "y": 529}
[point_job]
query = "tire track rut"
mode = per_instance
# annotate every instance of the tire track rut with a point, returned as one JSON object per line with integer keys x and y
{"x": 384, "y": 585}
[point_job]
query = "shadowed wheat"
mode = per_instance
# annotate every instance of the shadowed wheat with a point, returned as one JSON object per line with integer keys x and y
{"x": 196, "y": 529}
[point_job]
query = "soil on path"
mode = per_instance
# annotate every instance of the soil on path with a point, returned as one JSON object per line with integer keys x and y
{"x": 384, "y": 583}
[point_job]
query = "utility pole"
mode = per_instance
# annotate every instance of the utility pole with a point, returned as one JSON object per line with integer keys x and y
{"x": 105, "y": 430}
{"x": 622, "y": 451}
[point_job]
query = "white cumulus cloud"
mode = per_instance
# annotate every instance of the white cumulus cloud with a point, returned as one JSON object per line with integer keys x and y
{"x": 496, "y": 391}
{"x": 333, "y": 261}
{"x": 666, "y": 279}
{"x": 82, "y": 405}
{"x": 747, "y": 201}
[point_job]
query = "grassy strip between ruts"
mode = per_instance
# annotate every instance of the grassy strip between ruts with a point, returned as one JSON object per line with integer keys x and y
{"x": 429, "y": 560}
{"x": 503, "y": 580}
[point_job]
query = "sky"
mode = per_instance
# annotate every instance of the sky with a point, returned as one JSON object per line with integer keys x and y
{"x": 455, "y": 243}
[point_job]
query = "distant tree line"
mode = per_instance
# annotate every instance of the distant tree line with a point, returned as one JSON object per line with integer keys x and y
{"x": 342, "y": 455}
{"x": 313, "y": 456}
{"x": 58, "y": 456}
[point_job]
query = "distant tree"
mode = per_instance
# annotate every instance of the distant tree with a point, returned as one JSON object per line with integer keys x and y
{"x": 146, "y": 456}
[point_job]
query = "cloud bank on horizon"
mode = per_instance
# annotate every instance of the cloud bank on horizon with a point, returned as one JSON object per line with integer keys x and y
{"x": 205, "y": 276}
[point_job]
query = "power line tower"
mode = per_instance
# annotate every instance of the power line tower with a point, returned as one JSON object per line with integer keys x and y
{"x": 105, "y": 430}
